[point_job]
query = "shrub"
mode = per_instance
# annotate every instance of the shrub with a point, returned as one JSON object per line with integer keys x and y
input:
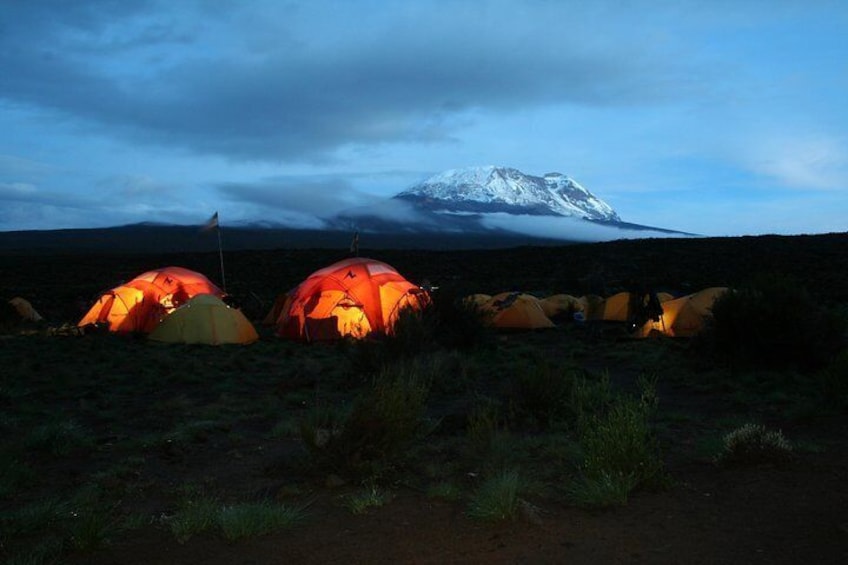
{"x": 460, "y": 324}
{"x": 620, "y": 442}
{"x": 497, "y": 498}
{"x": 589, "y": 396}
{"x": 484, "y": 422}
{"x": 381, "y": 423}
{"x": 834, "y": 381}
{"x": 544, "y": 390}
{"x": 753, "y": 444}
{"x": 370, "y": 497}
{"x": 775, "y": 322}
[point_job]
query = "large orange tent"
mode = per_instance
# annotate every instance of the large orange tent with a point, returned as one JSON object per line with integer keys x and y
{"x": 354, "y": 297}
{"x": 139, "y": 305}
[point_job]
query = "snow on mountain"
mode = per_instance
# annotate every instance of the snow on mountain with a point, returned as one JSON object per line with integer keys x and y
{"x": 501, "y": 189}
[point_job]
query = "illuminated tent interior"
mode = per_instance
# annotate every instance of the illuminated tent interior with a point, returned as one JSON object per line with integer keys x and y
{"x": 354, "y": 297}
{"x": 205, "y": 319}
{"x": 139, "y": 305}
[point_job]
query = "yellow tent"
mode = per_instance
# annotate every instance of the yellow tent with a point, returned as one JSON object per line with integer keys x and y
{"x": 664, "y": 297}
{"x": 592, "y": 306}
{"x": 477, "y": 299}
{"x": 25, "y": 309}
{"x": 618, "y": 307}
{"x": 515, "y": 310}
{"x": 559, "y": 304}
{"x": 684, "y": 316}
{"x": 205, "y": 319}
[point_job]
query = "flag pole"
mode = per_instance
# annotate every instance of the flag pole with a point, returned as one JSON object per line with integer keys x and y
{"x": 221, "y": 256}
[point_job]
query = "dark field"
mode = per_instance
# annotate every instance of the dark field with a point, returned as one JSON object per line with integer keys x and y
{"x": 484, "y": 448}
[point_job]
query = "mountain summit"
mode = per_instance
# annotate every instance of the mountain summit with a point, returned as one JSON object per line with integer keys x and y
{"x": 502, "y": 189}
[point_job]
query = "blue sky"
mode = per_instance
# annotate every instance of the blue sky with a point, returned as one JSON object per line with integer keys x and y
{"x": 719, "y": 117}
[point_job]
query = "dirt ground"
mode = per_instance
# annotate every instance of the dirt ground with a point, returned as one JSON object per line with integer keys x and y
{"x": 790, "y": 515}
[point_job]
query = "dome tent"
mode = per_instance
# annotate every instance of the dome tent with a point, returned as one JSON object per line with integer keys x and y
{"x": 516, "y": 310}
{"x": 205, "y": 319}
{"x": 684, "y": 316}
{"x": 354, "y": 297}
{"x": 139, "y": 305}
{"x": 25, "y": 310}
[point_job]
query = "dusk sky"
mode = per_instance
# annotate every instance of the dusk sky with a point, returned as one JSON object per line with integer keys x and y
{"x": 719, "y": 117}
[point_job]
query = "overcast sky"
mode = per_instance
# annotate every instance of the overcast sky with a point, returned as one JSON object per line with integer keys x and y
{"x": 720, "y": 117}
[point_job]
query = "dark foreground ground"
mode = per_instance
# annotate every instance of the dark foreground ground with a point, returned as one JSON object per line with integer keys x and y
{"x": 145, "y": 424}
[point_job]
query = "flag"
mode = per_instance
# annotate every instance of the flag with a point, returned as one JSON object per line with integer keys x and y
{"x": 354, "y": 245}
{"x": 211, "y": 224}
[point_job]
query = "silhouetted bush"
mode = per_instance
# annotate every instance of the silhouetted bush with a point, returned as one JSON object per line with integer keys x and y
{"x": 776, "y": 323}
{"x": 544, "y": 390}
{"x": 753, "y": 444}
{"x": 382, "y": 422}
{"x": 834, "y": 380}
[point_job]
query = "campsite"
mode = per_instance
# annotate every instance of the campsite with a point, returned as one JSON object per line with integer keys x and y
{"x": 564, "y": 438}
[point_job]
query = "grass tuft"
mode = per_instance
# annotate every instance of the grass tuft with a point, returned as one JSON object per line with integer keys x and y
{"x": 255, "y": 519}
{"x": 753, "y": 444}
{"x": 497, "y": 498}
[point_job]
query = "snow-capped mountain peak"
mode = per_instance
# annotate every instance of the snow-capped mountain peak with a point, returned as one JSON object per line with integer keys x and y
{"x": 503, "y": 189}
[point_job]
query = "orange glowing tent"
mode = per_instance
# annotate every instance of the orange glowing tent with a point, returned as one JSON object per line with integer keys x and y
{"x": 140, "y": 304}
{"x": 354, "y": 297}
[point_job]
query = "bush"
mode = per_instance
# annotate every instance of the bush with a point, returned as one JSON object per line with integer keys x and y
{"x": 620, "y": 443}
{"x": 544, "y": 390}
{"x": 381, "y": 423}
{"x": 753, "y": 444}
{"x": 774, "y": 322}
{"x": 497, "y": 498}
{"x": 834, "y": 380}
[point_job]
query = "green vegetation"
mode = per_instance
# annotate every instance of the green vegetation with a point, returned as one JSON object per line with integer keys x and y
{"x": 753, "y": 444}
{"x": 497, "y": 498}
{"x": 772, "y": 321}
{"x": 257, "y": 518}
{"x": 97, "y": 430}
{"x": 371, "y": 496}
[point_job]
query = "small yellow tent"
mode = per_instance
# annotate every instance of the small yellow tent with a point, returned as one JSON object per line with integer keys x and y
{"x": 560, "y": 304}
{"x": 516, "y": 310}
{"x": 664, "y": 297}
{"x": 477, "y": 299}
{"x": 205, "y": 319}
{"x": 684, "y": 316}
{"x": 592, "y": 306}
{"x": 25, "y": 309}
{"x": 618, "y": 307}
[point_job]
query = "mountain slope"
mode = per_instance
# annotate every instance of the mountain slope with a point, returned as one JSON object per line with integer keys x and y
{"x": 502, "y": 189}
